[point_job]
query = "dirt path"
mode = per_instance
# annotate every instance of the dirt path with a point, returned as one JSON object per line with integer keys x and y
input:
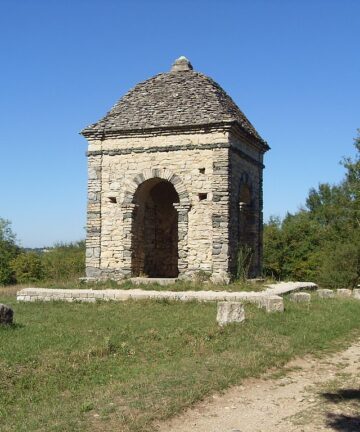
{"x": 313, "y": 395}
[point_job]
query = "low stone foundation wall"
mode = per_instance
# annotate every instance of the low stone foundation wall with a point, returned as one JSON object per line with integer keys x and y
{"x": 269, "y": 299}
{"x": 89, "y": 295}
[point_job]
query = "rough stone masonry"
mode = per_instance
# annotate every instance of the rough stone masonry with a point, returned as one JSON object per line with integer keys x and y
{"x": 174, "y": 182}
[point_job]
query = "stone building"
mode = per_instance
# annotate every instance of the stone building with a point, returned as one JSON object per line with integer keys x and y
{"x": 174, "y": 181}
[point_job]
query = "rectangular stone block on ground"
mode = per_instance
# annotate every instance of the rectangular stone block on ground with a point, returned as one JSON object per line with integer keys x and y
{"x": 230, "y": 312}
{"x": 343, "y": 292}
{"x": 356, "y": 293}
{"x": 273, "y": 304}
{"x": 326, "y": 293}
{"x": 300, "y": 297}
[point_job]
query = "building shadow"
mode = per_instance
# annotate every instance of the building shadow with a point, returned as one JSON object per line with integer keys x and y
{"x": 343, "y": 422}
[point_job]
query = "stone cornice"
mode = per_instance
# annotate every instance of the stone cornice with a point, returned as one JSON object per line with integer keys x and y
{"x": 260, "y": 145}
{"x": 232, "y": 127}
{"x": 172, "y": 148}
{"x": 103, "y": 133}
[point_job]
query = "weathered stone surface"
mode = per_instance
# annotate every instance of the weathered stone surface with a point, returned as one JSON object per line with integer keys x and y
{"x": 263, "y": 299}
{"x": 6, "y": 314}
{"x": 273, "y": 304}
{"x": 356, "y": 293}
{"x": 221, "y": 278}
{"x": 147, "y": 281}
{"x": 343, "y": 292}
{"x": 229, "y": 312}
{"x": 179, "y": 98}
{"x": 285, "y": 287}
{"x": 300, "y": 297}
{"x": 326, "y": 293}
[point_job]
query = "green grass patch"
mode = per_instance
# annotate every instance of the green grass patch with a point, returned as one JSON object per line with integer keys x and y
{"x": 121, "y": 366}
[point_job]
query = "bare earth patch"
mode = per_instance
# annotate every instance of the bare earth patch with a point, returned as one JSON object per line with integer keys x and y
{"x": 312, "y": 395}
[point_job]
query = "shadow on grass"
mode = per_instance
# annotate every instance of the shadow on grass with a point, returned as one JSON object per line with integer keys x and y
{"x": 342, "y": 422}
{"x": 11, "y": 327}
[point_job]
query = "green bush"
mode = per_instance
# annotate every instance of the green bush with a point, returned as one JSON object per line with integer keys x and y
{"x": 64, "y": 262}
{"x": 341, "y": 265}
{"x": 322, "y": 241}
{"x": 27, "y": 267}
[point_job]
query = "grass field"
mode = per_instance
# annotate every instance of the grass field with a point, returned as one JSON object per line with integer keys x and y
{"x": 122, "y": 366}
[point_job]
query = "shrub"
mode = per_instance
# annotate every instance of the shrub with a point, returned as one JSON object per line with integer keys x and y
{"x": 27, "y": 267}
{"x": 341, "y": 265}
{"x": 64, "y": 261}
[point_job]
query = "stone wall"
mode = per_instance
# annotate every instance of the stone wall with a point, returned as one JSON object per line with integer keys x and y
{"x": 245, "y": 203}
{"x": 206, "y": 170}
{"x": 201, "y": 182}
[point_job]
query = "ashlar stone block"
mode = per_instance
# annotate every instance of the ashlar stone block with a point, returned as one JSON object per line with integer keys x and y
{"x": 229, "y": 312}
{"x": 220, "y": 278}
{"x": 326, "y": 293}
{"x": 300, "y": 297}
{"x": 273, "y": 304}
{"x": 356, "y": 294}
{"x": 343, "y": 292}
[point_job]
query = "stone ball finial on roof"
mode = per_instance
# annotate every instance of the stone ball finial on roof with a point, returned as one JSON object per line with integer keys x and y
{"x": 181, "y": 64}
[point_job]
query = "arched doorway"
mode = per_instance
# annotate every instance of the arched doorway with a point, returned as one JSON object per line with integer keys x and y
{"x": 155, "y": 230}
{"x": 247, "y": 228}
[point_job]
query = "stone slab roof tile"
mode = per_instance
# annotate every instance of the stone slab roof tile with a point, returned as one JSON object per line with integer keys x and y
{"x": 179, "y": 98}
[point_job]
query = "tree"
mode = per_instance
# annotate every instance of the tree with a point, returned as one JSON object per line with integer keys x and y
{"x": 8, "y": 251}
{"x": 273, "y": 248}
{"x": 322, "y": 241}
{"x": 291, "y": 247}
{"x": 341, "y": 260}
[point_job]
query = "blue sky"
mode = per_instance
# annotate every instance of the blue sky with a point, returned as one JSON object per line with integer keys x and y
{"x": 293, "y": 67}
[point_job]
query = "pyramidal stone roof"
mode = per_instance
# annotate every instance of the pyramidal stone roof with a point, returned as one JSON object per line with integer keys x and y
{"x": 177, "y": 99}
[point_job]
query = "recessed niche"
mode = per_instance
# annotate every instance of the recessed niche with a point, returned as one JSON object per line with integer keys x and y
{"x": 202, "y": 170}
{"x": 112, "y": 200}
{"x": 202, "y": 196}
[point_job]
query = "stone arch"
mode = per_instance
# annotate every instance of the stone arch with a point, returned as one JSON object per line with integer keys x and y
{"x": 165, "y": 174}
{"x": 247, "y": 235}
{"x": 245, "y": 191}
{"x": 130, "y": 208}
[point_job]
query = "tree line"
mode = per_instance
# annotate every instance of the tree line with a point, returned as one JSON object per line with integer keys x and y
{"x": 320, "y": 242}
{"x": 63, "y": 262}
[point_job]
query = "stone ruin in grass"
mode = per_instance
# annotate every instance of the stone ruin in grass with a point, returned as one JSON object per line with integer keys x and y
{"x": 175, "y": 175}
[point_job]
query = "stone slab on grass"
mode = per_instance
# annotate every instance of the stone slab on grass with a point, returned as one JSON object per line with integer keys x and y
{"x": 286, "y": 287}
{"x": 273, "y": 303}
{"x": 300, "y": 297}
{"x": 326, "y": 293}
{"x": 230, "y": 312}
{"x": 268, "y": 298}
{"x": 343, "y": 292}
{"x": 356, "y": 293}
